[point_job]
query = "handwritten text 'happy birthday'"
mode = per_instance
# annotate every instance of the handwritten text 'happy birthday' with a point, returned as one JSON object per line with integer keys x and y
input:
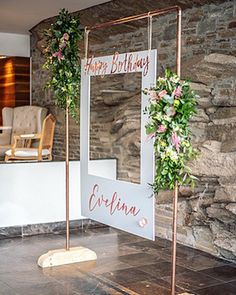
{"x": 124, "y": 63}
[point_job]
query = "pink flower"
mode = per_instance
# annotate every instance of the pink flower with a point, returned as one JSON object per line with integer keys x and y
{"x": 59, "y": 55}
{"x": 150, "y": 136}
{"x": 66, "y": 36}
{"x": 161, "y": 128}
{"x": 162, "y": 93}
{"x": 62, "y": 45}
{"x": 153, "y": 95}
{"x": 175, "y": 141}
{"x": 177, "y": 91}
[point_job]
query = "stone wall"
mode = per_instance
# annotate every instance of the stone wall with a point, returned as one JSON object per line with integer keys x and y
{"x": 207, "y": 218}
{"x": 115, "y": 122}
{"x": 207, "y": 213}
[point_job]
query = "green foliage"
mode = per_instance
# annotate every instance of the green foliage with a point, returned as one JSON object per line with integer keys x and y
{"x": 172, "y": 103}
{"x": 62, "y": 60}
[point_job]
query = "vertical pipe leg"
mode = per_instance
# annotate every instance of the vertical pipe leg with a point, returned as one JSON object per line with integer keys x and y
{"x": 178, "y": 41}
{"x": 67, "y": 179}
{"x": 175, "y": 200}
{"x": 174, "y": 238}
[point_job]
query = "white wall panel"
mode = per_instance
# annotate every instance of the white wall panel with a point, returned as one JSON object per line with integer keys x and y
{"x": 32, "y": 193}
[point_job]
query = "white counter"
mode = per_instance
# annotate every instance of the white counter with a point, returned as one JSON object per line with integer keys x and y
{"x": 32, "y": 193}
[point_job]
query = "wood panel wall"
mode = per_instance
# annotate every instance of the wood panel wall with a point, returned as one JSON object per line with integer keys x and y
{"x": 14, "y": 82}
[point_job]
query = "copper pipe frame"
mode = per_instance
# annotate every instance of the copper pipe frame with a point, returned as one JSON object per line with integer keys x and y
{"x": 176, "y": 189}
{"x": 134, "y": 17}
{"x": 67, "y": 179}
{"x": 159, "y": 12}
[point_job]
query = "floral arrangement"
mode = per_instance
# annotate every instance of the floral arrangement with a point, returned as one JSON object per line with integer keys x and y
{"x": 62, "y": 60}
{"x": 172, "y": 103}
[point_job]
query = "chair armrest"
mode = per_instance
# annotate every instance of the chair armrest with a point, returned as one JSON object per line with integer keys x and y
{"x": 5, "y": 139}
{"x": 5, "y": 127}
{"x": 28, "y": 136}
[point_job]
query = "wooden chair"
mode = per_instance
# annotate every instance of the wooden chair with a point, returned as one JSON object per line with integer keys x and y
{"x": 20, "y": 120}
{"x": 41, "y": 153}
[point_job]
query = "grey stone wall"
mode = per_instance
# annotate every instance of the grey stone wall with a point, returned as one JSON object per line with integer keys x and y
{"x": 207, "y": 218}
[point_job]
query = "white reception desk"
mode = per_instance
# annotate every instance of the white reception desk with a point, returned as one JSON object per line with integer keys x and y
{"x": 33, "y": 193}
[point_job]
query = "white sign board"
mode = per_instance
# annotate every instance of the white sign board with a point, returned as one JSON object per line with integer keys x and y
{"x": 124, "y": 205}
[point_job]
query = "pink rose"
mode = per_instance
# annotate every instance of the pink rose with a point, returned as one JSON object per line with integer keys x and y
{"x": 175, "y": 141}
{"x": 177, "y": 91}
{"x": 162, "y": 93}
{"x": 59, "y": 55}
{"x": 66, "y": 36}
{"x": 161, "y": 128}
{"x": 153, "y": 95}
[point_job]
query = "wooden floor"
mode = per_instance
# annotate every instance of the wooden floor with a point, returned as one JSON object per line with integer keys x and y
{"x": 126, "y": 265}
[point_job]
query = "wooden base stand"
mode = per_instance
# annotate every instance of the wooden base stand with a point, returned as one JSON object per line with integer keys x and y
{"x": 62, "y": 256}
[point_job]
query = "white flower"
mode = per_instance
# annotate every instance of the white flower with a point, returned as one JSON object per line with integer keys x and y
{"x": 167, "y": 118}
{"x": 171, "y": 153}
{"x": 163, "y": 155}
{"x": 174, "y": 79}
{"x": 158, "y": 116}
{"x": 161, "y": 80}
{"x": 174, "y": 156}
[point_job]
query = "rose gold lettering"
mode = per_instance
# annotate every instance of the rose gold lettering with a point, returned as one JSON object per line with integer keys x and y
{"x": 113, "y": 205}
{"x": 114, "y": 63}
{"x": 129, "y": 68}
{"x": 146, "y": 66}
{"x": 92, "y": 205}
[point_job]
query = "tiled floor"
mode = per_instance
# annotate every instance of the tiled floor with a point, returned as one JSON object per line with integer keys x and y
{"x": 126, "y": 265}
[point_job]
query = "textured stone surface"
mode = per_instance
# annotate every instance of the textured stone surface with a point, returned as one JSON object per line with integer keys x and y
{"x": 224, "y": 240}
{"x": 221, "y": 214}
{"x": 226, "y": 194}
{"x": 224, "y": 93}
{"x": 232, "y": 208}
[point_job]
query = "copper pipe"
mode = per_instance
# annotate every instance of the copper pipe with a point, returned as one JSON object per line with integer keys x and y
{"x": 86, "y": 43}
{"x": 67, "y": 178}
{"x": 178, "y": 41}
{"x": 134, "y": 17}
{"x": 175, "y": 200}
{"x": 174, "y": 238}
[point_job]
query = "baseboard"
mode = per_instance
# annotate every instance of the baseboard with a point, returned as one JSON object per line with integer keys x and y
{"x": 47, "y": 228}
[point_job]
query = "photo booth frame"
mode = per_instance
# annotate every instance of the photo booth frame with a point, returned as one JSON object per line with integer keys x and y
{"x": 121, "y": 204}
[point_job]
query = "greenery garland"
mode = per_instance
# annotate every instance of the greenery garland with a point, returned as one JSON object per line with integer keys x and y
{"x": 62, "y": 60}
{"x": 172, "y": 103}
